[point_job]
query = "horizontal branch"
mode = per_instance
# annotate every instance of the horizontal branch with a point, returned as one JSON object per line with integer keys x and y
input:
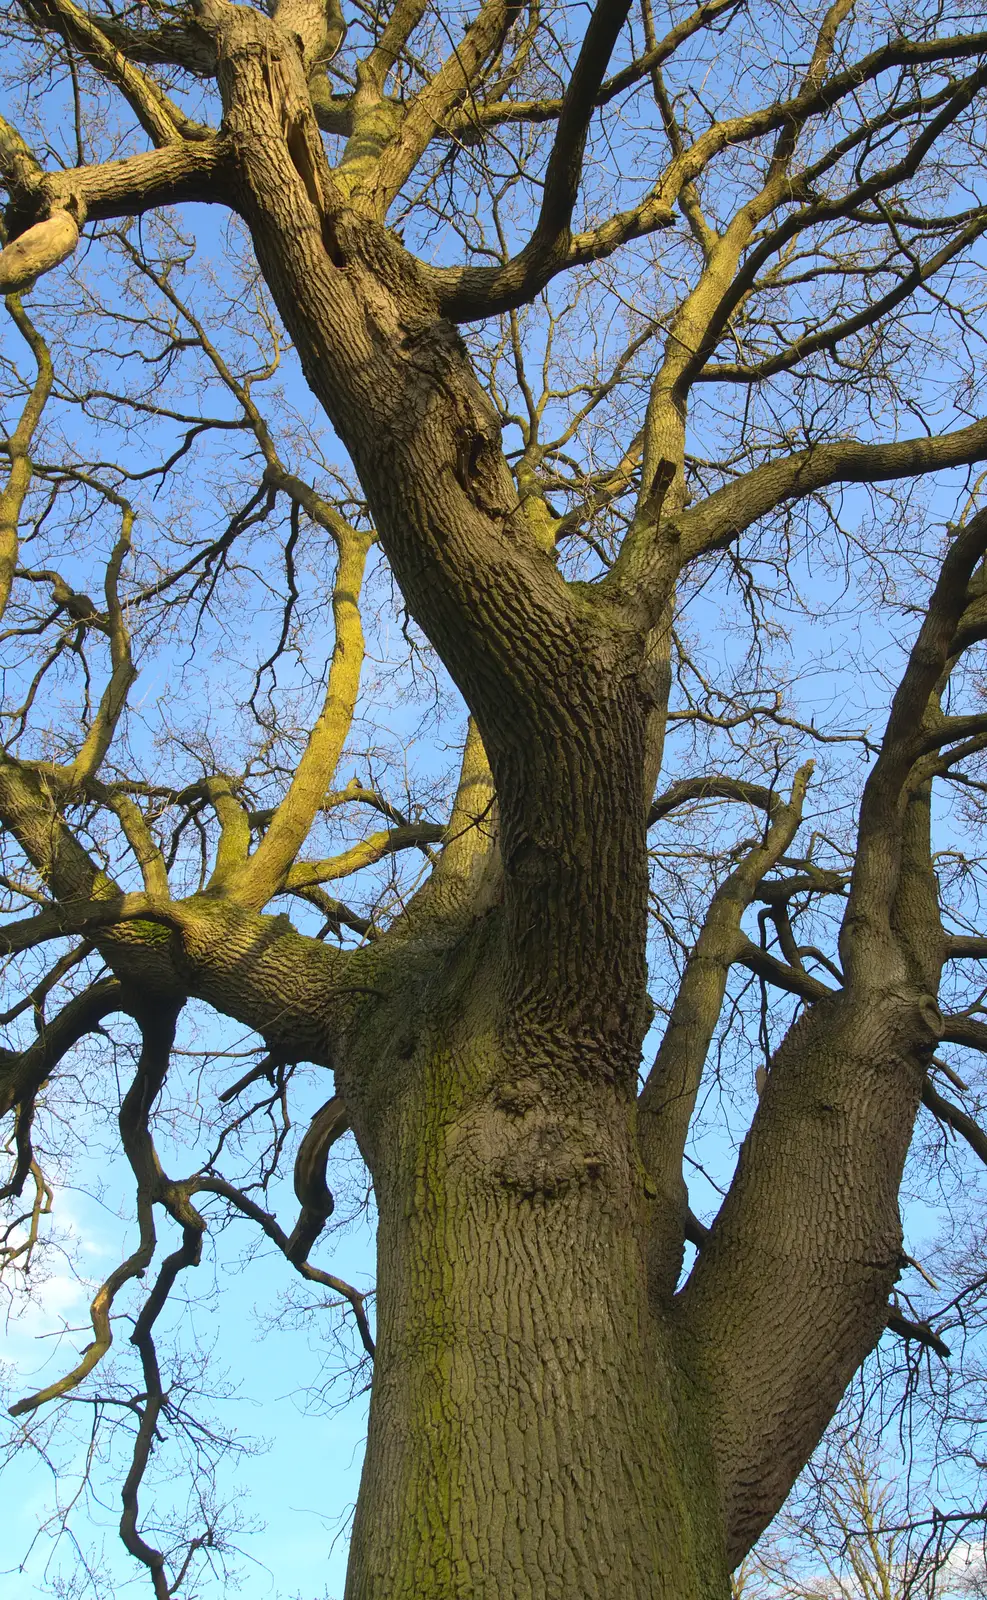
{"x": 170, "y": 45}
{"x": 256, "y": 969}
{"x": 964, "y": 1030}
{"x": 415, "y": 835}
{"x": 27, "y": 932}
{"x": 816, "y": 880}
{"x": 713, "y": 786}
{"x": 729, "y": 511}
{"x": 779, "y": 974}
{"x": 337, "y": 914}
{"x": 183, "y": 170}
{"x": 920, "y": 1332}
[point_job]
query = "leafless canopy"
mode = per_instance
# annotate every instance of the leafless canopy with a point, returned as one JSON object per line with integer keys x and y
{"x": 597, "y": 394}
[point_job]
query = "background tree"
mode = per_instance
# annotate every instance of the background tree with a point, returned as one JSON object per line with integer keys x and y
{"x": 715, "y": 268}
{"x": 851, "y": 1530}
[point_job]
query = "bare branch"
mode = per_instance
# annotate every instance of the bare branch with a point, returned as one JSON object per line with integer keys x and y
{"x": 214, "y": 1185}
{"x": 160, "y": 118}
{"x": 469, "y": 293}
{"x": 13, "y": 494}
{"x": 414, "y": 836}
{"x": 920, "y": 1332}
{"x": 178, "y": 171}
{"x": 151, "y": 1185}
{"x": 956, "y": 1119}
{"x": 666, "y": 1102}
{"x": 729, "y": 511}
{"x": 270, "y": 866}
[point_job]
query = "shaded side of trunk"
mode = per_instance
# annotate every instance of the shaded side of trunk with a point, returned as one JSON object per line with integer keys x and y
{"x": 530, "y": 1434}
{"x": 791, "y": 1292}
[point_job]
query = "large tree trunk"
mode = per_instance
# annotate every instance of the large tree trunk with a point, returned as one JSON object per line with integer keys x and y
{"x": 530, "y": 1432}
{"x": 534, "y": 1430}
{"x": 549, "y": 1415}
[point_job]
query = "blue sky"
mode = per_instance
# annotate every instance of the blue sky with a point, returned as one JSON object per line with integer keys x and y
{"x": 303, "y": 1483}
{"x": 303, "y": 1480}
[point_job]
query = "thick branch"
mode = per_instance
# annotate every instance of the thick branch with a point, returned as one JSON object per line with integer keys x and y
{"x": 170, "y": 45}
{"x": 791, "y": 980}
{"x": 254, "y": 968}
{"x": 271, "y": 864}
{"x": 957, "y": 1119}
{"x": 920, "y": 1332}
{"x": 654, "y": 562}
{"x": 122, "y": 670}
{"x": 712, "y": 786}
{"x": 668, "y": 1098}
{"x": 178, "y": 171}
{"x": 565, "y": 164}
{"x": 792, "y": 1291}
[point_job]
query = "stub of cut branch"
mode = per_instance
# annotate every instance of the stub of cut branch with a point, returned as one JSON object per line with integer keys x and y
{"x": 37, "y": 250}
{"x": 920, "y": 1332}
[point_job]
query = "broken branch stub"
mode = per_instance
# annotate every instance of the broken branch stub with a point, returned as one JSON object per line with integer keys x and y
{"x": 37, "y": 250}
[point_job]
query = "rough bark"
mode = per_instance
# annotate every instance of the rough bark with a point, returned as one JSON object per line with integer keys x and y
{"x": 552, "y": 680}
{"x": 531, "y": 1432}
{"x": 548, "y": 1418}
{"x": 791, "y": 1291}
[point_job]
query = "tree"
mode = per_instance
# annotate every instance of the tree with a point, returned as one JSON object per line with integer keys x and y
{"x": 749, "y": 241}
{"x": 851, "y": 1532}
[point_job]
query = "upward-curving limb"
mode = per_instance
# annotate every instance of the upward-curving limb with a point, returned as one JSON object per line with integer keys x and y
{"x": 327, "y": 533}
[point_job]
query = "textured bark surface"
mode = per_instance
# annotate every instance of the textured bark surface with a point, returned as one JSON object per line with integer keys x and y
{"x": 531, "y": 1433}
{"x": 551, "y": 680}
{"x": 808, "y": 1244}
{"x": 553, "y": 1416}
